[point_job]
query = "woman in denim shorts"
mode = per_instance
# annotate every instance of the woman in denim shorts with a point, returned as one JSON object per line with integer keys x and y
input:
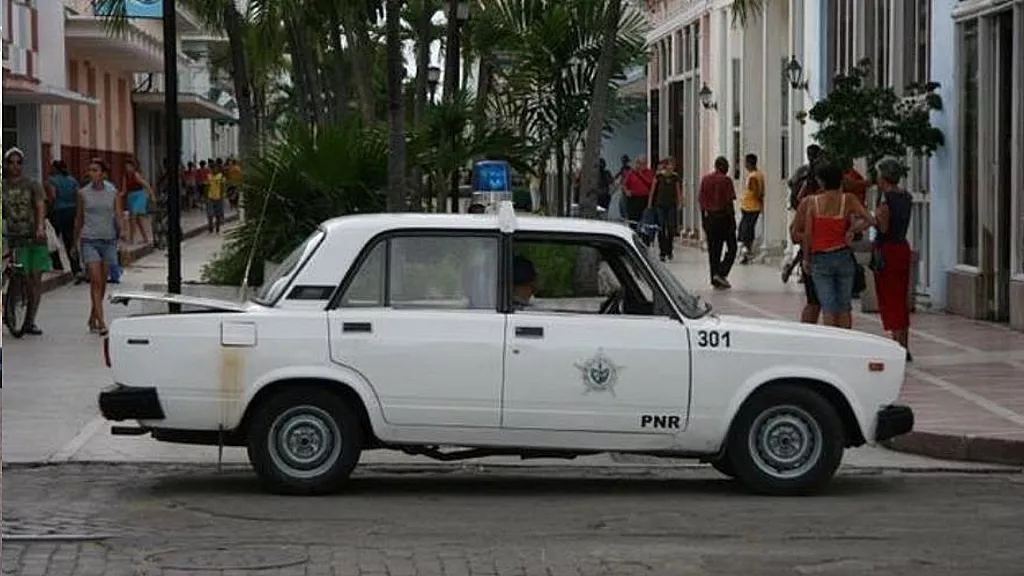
{"x": 96, "y": 227}
{"x": 833, "y": 219}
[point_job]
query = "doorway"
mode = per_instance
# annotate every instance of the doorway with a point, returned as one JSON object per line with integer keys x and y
{"x": 1002, "y": 165}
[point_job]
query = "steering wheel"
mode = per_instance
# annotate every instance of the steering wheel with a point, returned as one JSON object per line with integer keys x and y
{"x": 612, "y": 304}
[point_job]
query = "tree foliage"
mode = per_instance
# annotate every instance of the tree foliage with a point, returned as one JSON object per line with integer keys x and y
{"x": 858, "y": 120}
{"x": 309, "y": 176}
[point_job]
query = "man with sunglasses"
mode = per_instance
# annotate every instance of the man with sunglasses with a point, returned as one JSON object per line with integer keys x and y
{"x": 24, "y": 225}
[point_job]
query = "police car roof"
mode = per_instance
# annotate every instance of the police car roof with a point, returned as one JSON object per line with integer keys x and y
{"x": 381, "y": 222}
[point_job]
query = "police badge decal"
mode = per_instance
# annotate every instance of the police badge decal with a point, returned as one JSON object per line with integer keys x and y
{"x": 600, "y": 373}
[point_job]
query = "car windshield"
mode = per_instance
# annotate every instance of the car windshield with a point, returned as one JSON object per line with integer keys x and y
{"x": 692, "y": 305}
{"x": 275, "y": 284}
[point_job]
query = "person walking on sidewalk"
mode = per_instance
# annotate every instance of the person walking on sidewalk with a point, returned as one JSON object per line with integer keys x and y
{"x": 138, "y": 195}
{"x": 638, "y": 184}
{"x": 802, "y": 184}
{"x": 24, "y": 202}
{"x": 891, "y": 256}
{"x": 666, "y": 199}
{"x": 718, "y": 218}
{"x": 96, "y": 232}
{"x": 215, "y": 201}
{"x": 829, "y": 232}
{"x": 751, "y": 206}
{"x": 64, "y": 189}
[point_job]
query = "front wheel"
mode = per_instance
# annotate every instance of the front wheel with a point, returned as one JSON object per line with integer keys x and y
{"x": 787, "y": 440}
{"x": 16, "y": 304}
{"x": 304, "y": 441}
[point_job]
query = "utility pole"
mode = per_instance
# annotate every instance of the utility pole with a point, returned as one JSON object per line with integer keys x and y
{"x": 173, "y": 145}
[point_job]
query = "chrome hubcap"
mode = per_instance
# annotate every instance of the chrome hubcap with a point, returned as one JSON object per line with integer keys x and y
{"x": 304, "y": 442}
{"x": 785, "y": 442}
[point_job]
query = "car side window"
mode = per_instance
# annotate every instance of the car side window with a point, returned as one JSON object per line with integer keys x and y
{"x": 366, "y": 290}
{"x": 545, "y": 279}
{"x": 446, "y": 272}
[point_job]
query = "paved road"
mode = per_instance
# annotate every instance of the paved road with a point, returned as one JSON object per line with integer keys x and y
{"x": 173, "y": 520}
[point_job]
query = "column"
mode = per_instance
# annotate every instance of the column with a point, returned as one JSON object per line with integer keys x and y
{"x": 944, "y": 174}
{"x": 775, "y": 45}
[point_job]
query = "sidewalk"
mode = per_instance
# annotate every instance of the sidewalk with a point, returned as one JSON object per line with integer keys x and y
{"x": 193, "y": 223}
{"x": 966, "y": 383}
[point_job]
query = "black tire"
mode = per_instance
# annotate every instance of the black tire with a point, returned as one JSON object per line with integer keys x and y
{"x": 15, "y": 303}
{"x": 809, "y": 430}
{"x": 314, "y": 415}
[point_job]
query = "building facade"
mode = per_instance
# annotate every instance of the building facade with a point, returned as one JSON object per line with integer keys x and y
{"x": 984, "y": 270}
{"x": 85, "y": 92}
{"x": 973, "y": 185}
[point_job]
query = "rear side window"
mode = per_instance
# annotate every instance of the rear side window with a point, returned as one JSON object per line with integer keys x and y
{"x": 428, "y": 272}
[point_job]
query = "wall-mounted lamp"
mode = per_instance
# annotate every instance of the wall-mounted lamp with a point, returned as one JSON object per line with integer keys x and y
{"x": 794, "y": 72}
{"x": 707, "y": 98}
{"x": 461, "y": 10}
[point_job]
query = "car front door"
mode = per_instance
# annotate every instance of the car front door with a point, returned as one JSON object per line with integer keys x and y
{"x": 418, "y": 318}
{"x": 593, "y": 364}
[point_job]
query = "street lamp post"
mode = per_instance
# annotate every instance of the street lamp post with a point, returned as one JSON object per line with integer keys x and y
{"x": 173, "y": 145}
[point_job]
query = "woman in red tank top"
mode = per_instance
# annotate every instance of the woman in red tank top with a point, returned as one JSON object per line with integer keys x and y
{"x": 834, "y": 217}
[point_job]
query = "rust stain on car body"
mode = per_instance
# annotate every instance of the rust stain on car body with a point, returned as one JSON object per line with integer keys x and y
{"x": 232, "y": 371}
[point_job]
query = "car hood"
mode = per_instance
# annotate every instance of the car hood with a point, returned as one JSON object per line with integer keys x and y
{"x": 797, "y": 337}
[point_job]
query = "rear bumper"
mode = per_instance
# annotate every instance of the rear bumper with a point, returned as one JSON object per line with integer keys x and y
{"x": 893, "y": 420}
{"x": 121, "y": 402}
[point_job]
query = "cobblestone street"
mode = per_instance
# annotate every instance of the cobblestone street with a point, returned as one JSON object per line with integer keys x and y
{"x": 452, "y": 520}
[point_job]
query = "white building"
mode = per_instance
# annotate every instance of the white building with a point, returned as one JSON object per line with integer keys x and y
{"x": 72, "y": 90}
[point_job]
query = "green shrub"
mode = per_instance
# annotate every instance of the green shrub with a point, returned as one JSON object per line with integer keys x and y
{"x": 555, "y": 264}
{"x": 305, "y": 179}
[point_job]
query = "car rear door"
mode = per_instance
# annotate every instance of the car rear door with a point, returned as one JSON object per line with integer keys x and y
{"x": 418, "y": 318}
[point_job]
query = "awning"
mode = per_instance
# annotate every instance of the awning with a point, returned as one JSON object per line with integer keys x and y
{"x": 133, "y": 49}
{"x": 16, "y": 92}
{"x": 190, "y": 106}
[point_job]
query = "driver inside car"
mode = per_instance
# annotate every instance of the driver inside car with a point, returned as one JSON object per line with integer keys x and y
{"x": 523, "y": 276}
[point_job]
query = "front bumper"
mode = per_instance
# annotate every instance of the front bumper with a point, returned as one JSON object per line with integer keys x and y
{"x": 893, "y": 420}
{"x": 121, "y": 402}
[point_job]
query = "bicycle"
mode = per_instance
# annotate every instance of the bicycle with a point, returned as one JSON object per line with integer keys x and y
{"x": 15, "y": 294}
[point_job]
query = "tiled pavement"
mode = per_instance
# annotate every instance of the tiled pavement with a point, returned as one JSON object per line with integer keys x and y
{"x": 966, "y": 383}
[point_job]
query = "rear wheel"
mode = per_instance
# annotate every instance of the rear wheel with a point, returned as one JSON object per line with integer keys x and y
{"x": 787, "y": 440}
{"x": 305, "y": 441}
{"x": 16, "y": 304}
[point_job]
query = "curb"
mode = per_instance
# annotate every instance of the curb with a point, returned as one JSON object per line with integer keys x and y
{"x": 960, "y": 447}
{"x": 55, "y": 281}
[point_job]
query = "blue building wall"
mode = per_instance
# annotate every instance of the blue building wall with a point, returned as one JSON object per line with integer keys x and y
{"x": 628, "y": 139}
{"x": 945, "y": 183}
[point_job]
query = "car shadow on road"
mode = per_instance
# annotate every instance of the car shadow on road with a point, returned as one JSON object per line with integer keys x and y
{"x": 471, "y": 484}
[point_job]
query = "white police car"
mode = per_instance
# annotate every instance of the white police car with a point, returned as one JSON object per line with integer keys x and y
{"x": 414, "y": 332}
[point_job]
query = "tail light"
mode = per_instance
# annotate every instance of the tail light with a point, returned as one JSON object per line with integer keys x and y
{"x": 106, "y": 351}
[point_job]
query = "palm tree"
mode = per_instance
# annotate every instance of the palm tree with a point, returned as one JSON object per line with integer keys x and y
{"x": 396, "y": 106}
{"x": 599, "y": 111}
